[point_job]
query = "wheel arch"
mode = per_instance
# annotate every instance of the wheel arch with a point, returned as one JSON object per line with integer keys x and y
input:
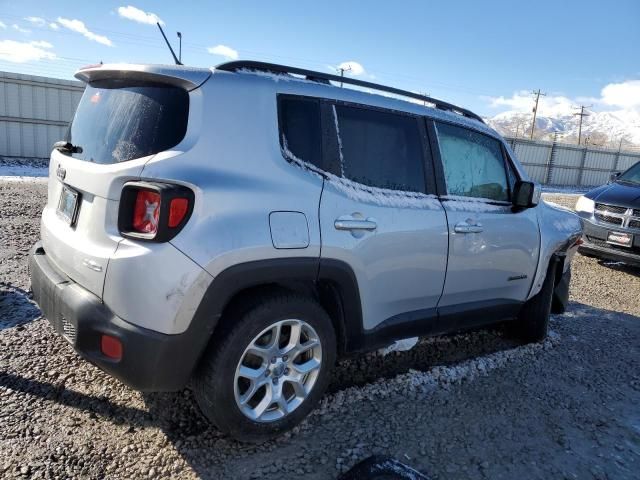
{"x": 330, "y": 282}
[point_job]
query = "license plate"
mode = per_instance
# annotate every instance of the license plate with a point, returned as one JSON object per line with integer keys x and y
{"x": 68, "y": 205}
{"x": 621, "y": 239}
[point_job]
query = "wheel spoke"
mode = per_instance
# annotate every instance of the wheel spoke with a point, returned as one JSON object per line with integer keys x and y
{"x": 298, "y": 388}
{"x": 282, "y": 405}
{"x": 294, "y": 338}
{"x": 252, "y": 374}
{"x": 275, "y": 336}
{"x": 308, "y": 366}
{"x": 266, "y": 401}
{"x": 305, "y": 347}
{"x": 254, "y": 386}
{"x": 258, "y": 351}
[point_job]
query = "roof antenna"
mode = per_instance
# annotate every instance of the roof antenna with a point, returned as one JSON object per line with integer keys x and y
{"x": 178, "y": 62}
{"x": 180, "y": 49}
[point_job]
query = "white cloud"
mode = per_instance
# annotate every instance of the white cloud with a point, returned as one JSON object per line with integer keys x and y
{"x": 23, "y": 52}
{"x": 224, "y": 51}
{"x": 132, "y": 13}
{"x": 37, "y": 21}
{"x": 20, "y": 29}
{"x": 41, "y": 44}
{"x": 613, "y": 97}
{"x": 549, "y": 105}
{"x": 354, "y": 68}
{"x": 79, "y": 27}
{"x": 625, "y": 95}
{"x": 3, "y": 25}
{"x": 54, "y": 26}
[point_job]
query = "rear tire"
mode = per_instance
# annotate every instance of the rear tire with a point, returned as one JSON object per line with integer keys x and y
{"x": 532, "y": 324}
{"x": 247, "y": 368}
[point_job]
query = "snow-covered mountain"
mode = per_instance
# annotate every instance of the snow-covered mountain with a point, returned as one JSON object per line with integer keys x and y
{"x": 599, "y": 128}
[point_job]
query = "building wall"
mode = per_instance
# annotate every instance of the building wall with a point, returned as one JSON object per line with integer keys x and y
{"x": 34, "y": 113}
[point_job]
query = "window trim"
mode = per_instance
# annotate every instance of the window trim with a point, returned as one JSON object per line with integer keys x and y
{"x": 439, "y": 166}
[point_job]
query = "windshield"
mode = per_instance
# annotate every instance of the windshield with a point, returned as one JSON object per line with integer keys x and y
{"x": 632, "y": 175}
{"x": 117, "y": 121}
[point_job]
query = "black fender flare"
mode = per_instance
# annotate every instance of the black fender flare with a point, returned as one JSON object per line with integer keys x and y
{"x": 237, "y": 278}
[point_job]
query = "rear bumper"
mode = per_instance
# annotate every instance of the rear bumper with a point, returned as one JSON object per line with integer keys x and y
{"x": 595, "y": 244}
{"x": 151, "y": 361}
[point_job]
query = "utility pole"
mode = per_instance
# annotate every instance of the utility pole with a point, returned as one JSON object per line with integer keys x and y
{"x": 535, "y": 111}
{"x": 581, "y": 114}
{"x": 342, "y": 70}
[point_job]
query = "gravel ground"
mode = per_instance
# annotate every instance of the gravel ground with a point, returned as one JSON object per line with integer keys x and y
{"x": 470, "y": 406}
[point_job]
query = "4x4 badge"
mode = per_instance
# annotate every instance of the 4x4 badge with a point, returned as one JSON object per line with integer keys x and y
{"x": 61, "y": 172}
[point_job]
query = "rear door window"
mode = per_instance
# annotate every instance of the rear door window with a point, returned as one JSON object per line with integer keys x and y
{"x": 380, "y": 149}
{"x": 300, "y": 128}
{"x": 473, "y": 163}
{"x": 118, "y": 121}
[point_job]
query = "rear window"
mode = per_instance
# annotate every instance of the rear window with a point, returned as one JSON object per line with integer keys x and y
{"x": 300, "y": 125}
{"x": 117, "y": 121}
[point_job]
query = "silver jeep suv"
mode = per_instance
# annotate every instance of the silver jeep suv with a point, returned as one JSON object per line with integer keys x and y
{"x": 238, "y": 229}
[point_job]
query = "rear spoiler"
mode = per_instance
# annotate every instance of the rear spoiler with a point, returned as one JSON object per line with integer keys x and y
{"x": 185, "y": 77}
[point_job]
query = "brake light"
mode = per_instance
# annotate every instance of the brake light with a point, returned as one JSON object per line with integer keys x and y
{"x": 146, "y": 212}
{"x": 152, "y": 211}
{"x": 178, "y": 209}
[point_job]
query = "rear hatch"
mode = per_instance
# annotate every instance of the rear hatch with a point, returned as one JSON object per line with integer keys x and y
{"x": 126, "y": 115}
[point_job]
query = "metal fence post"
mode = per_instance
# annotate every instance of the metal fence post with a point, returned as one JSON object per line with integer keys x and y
{"x": 552, "y": 157}
{"x": 582, "y": 162}
{"x": 616, "y": 162}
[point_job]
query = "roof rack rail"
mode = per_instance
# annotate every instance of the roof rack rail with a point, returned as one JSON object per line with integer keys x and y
{"x": 325, "y": 78}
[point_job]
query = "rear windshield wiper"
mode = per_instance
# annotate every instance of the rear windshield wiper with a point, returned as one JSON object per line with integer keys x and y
{"x": 67, "y": 147}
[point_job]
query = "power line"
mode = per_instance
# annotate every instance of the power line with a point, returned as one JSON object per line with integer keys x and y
{"x": 535, "y": 111}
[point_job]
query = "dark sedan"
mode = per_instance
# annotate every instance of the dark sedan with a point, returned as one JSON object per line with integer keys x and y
{"x": 611, "y": 218}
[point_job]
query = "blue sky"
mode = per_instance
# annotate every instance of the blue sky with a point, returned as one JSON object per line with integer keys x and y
{"x": 485, "y": 55}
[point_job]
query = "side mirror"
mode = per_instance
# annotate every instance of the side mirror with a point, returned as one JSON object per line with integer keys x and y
{"x": 614, "y": 176}
{"x": 525, "y": 194}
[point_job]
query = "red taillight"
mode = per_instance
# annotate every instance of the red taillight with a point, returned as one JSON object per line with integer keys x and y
{"x": 153, "y": 212}
{"x": 178, "y": 209}
{"x": 146, "y": 212}
{"x": 111, "y": 347}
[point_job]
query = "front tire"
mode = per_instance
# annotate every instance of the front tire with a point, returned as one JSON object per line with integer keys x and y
{"x": 533, "y": 322}
{"x": 269, "y": 368}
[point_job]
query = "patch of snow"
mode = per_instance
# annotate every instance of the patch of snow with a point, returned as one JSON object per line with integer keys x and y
{"x": 472, "y": 204}
{"x": 400, "y": 469}
{"x": 23, "y": 171}
{"x": 275, "y": 76}
{"x": 399, "y": 346}
{"x": 570, "y": 189}
{"x": 23, "y": 179}
{"x": 335, "y": 119}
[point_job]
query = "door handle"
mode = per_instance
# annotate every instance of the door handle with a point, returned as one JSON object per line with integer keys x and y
{"x": 468, "y": 227}
{"x": 351, "y": 223}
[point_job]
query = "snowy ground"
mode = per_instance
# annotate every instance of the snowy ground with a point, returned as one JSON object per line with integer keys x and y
{"x": 567, "y": 189}
{"x": 23, "y": 167}
{"x": 470, "y": 406}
